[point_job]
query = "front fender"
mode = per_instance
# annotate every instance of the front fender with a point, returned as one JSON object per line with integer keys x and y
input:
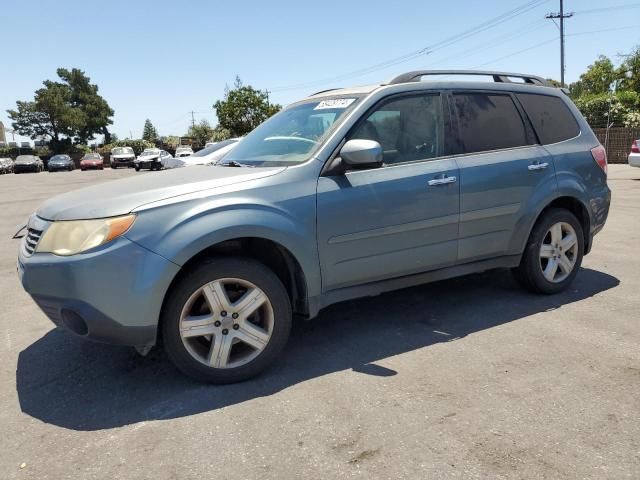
{"x": 178, "y": 233}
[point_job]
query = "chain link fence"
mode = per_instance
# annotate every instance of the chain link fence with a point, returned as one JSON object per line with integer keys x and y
{"x": 617, "y": 141}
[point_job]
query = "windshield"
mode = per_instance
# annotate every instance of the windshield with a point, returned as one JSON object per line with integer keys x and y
{"x": 25, "y": 158}
{"x": 214, "y": 148}
{"x": 293, "y": 135}
{"x": 92, "y": 156}
{"x": 182, "y": 148}
{"x": 59, "y": 158}
{"x": 150, "y": 152}
{"x": 122, "y": 151}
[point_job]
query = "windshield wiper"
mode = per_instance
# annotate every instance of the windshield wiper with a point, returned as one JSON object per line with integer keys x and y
{"x": 233, "y": 163}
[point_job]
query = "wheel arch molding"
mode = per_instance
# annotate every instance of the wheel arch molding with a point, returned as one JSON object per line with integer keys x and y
{"x": 572, "y": 201}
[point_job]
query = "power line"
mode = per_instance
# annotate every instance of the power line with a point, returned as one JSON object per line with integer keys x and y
{"x": 518, "y": 52}
{"x": 509, "y": 15}
{"x": 491, "y": 44}
{"x": 537, "y": 45}
{"x": 608, "y": 9}
{"x": 630, "y": 27}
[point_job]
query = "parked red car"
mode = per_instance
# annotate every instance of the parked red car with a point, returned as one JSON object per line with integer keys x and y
{"x": 91, "y": 160}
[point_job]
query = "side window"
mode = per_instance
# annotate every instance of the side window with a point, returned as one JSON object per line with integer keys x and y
{"x": 550, "y": 116}
{"x": 408, "y": 128}
{"x": 488, "y": 121}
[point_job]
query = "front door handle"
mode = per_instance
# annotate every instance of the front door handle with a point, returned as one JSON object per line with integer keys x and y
{"x": 538, "y": 166}
{"x": 441, "y": 181}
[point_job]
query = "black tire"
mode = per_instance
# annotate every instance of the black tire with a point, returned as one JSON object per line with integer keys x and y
{"x": 137, "y": 168}
{"x": 529, "y": 273}
{"x": 113, "y": 166}
{"x": 208, "y": 271}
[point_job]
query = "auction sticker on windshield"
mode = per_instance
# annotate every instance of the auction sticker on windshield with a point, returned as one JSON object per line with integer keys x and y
{"x": 335, "y": 103}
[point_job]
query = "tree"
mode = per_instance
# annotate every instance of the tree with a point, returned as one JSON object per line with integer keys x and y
{"x": 94, "y": 109}
{"x": 149, "y": 133}
{"x": 597, "y": 79}
{"x": 243, "y": 108}
{"x": 201, "y": 132}
{"x": 67, "y": 112}
{"x": 31, "y": 122}
{"x": 220, "y": 134}
{"x": 630, "y": 72}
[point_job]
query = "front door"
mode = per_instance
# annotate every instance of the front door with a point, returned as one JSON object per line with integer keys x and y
{"x": 398, "y": 219}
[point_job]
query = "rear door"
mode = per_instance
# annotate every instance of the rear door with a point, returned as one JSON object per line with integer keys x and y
{"x": 398, "y": 219}
{"x": 503, "y": 171}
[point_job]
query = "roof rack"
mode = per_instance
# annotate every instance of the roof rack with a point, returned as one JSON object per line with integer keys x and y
{"x": 324, "y": 91}
{"x": 498, "y": 77}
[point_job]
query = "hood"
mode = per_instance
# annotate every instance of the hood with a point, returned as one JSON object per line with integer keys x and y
{"x": 120, "y": 197}
{"x": 25, "y": 161}
{"x": 146, "y": 158}
{"x": 59, "y": 160}
{"x": 91, "y": 160}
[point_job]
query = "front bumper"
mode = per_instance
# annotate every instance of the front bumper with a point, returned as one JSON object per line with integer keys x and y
{"x": 25, "y": 168}
{"x": 55, "y": 168}
{"x": 91, "y": 166}
{"x": 122, "y": 161}
{"x": 112, "y": 294}
{"x": 148, "y": 164}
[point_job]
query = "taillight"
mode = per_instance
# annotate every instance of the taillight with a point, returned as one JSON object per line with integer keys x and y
{"x": 600, "y": 156}
{"x": 634, "y": 147}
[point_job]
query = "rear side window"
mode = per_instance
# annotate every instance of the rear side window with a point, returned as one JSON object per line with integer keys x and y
{"x": 488, "y": 121}
{"x": 550, "y": 116}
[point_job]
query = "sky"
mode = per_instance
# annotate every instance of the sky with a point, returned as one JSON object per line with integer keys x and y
{"x": 162, "y": 60}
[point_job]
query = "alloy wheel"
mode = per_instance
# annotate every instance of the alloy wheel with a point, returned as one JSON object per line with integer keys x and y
{"x": 559, "y": 252}
{"x": 226, "y": 323}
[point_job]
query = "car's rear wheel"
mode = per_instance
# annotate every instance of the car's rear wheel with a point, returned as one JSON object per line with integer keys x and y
{"x": 137, "y": 168}
{"x": 226, "y": 320}
{"x": 553, "y": 254}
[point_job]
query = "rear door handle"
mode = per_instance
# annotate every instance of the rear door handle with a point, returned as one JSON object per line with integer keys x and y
{"x": 538, "y": 166}
{"x": 441, "y": 181}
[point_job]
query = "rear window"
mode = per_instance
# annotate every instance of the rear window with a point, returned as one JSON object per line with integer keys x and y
{"x": 550, "y": 116}
{"x": 488, "y": 121}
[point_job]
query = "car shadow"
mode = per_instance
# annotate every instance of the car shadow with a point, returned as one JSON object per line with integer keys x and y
{"x": 80, "y": 385}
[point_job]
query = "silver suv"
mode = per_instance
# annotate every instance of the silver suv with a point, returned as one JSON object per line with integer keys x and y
{"x": 346, "y": 193}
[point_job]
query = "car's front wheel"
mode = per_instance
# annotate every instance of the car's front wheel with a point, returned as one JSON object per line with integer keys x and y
{"x": 226, "y": 320}
{"x": 553, "y": 254}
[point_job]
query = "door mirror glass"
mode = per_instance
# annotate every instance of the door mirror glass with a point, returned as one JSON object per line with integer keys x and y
{"x": 361, "y": 153}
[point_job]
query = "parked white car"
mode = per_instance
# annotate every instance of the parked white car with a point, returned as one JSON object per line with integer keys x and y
{"x": 205, "y": 156}
{"x": 122, "y": 157}
{"x": 634, "y": 156}
{"x": 151, "y": 158}
{"x": 183, "y": 151}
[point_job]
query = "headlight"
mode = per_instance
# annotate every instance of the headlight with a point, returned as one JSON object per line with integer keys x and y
{"x": 71, "y": 237}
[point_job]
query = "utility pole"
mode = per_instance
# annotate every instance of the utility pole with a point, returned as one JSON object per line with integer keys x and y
{"x": 193, "y": 120}
{"x": 561, "y": 16}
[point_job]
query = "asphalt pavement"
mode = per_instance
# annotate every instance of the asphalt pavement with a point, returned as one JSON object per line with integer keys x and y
{"x": 466, "y": 378}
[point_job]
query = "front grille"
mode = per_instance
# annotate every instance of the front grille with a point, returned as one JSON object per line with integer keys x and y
{"x": 31, "y": 240}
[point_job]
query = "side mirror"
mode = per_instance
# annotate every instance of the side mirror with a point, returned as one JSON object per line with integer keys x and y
{"x": 361, "y": 153}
